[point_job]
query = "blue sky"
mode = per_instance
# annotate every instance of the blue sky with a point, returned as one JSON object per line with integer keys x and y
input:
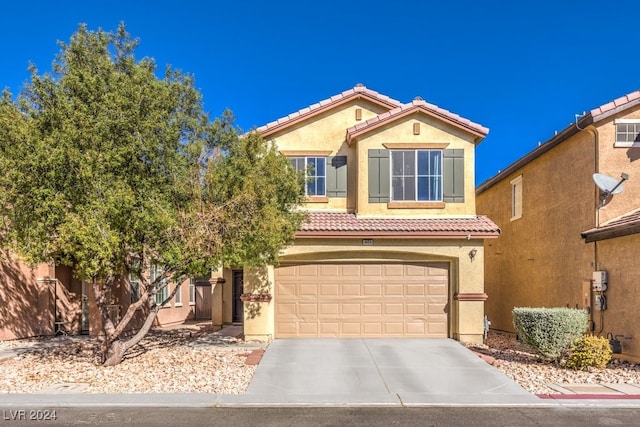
{"x": 523, "y": 69}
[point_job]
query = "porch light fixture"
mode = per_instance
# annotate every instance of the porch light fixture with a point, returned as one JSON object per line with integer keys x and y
{"x": 472, "y": 253}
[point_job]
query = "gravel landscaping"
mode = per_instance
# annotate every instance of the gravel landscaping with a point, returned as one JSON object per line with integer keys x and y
{"x": 199, "y": 361}
{"x": 179, "y": 361}
{"x": 524, "y": 366}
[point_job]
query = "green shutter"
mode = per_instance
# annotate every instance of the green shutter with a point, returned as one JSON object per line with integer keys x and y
{"x": 453, "y": 175}
{"x": 379, "y": 176}
{"x": 337, "y": 176}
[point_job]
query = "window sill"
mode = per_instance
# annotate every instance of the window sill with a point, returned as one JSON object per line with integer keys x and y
{"x": 178, "y": 304}
{"x": 192, "y": 303}
{"x": 315, "y": 199}
{"x": 515, "y": 218}
{"x": 626, "y": 145}
{"x": 416, "y": 205}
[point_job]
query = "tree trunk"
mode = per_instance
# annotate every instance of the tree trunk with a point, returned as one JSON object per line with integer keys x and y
{"x": 116, "y": 350}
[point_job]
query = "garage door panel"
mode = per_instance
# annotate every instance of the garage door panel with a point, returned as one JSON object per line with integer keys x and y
{"x": 329, "y": 290}
{"x": 329, "y": 308}
{"x": 350, "y": 270}
{"x": 351, "y": 309}
{"x": 351, "y": 290}
{"x": 372, "y": 290}
{"x": 361, "y": 300}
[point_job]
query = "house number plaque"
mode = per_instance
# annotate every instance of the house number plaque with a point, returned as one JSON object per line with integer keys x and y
{"x": 367, "y": 242}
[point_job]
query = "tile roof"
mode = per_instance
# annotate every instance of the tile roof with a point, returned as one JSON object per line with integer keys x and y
{"x": 355, "y": 92}
{"x": 417, "y": 105}
{"x": 615, "y": 106}
{"x": 628, "y": 223}
{"x": 332, "y": 224}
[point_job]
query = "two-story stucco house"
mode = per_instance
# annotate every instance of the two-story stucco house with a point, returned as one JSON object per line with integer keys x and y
{"x": 392, "y": 246}
{"x": 558, "y": 227}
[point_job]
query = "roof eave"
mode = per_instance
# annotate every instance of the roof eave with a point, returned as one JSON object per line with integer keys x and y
{"x": 565, "y": 134}
{"x": 467, "y": 235}
{"x": 597, "y": 234}
{"x": 479, "y": 133}
{"x": 314, "y": 112}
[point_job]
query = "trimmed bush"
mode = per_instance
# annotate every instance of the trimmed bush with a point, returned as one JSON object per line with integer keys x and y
{"x": 589, "y": 351}
{"x": 549, "y": 331}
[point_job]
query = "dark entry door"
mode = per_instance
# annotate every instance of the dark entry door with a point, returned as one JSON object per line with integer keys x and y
{"x": 238, "y": 288}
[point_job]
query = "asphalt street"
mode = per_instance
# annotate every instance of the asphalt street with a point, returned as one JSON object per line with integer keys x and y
{"x": 327, "y": 416}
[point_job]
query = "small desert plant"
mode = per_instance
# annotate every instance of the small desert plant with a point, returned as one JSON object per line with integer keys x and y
{"x": 589, "y": 351}
{"x": 549, "y": 331}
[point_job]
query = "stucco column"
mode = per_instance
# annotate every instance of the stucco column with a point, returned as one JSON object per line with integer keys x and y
{"x": 258, "y": 304}
{"x": 470, "y": 296}
{"x": 216, "y": 302}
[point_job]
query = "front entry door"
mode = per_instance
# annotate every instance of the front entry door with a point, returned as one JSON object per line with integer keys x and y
{"x": 238, "y": 289}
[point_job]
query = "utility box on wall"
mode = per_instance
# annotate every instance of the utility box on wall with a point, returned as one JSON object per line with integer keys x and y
{"x": 600, "y": 280}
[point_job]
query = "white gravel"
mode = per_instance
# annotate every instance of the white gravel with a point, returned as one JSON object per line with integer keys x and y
{"x": 165, "y": 362}
{"x": 523, "y": 365}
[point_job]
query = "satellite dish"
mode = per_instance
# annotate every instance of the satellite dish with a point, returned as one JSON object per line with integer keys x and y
{"x": 609, "y": 186}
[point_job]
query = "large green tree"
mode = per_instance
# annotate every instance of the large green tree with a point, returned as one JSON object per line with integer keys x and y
{"x": 110, "y": 169}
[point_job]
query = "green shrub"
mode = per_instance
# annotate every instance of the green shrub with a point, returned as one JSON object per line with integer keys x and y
{"x": 589, "y": 350}
{"x": 549, "y": 331}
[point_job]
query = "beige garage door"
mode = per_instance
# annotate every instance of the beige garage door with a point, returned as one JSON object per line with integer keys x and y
{"x": 361, "y": 300}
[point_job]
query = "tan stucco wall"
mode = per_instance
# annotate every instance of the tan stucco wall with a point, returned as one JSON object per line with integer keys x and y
{"x": 619, "y": 257}
{"x": 327, "y": 131}
{"x": 401, "y": 131}
{"x": 466, "y": 276}
{"x": 541, "y": 259}
{"x": 613, "y": 161}
{"x": 26, "y": 305}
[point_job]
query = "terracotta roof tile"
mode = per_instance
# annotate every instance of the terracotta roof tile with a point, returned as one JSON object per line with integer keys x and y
{"x": 335, "y": 224}
{"x": 616, "y": 105}
{"x": 416, "y": 105}
{"x": 318, "y": 107}
{"x": 626, "y": 221}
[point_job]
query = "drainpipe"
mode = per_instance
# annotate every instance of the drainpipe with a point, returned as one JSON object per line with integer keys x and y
{"x": 596, "y": 169}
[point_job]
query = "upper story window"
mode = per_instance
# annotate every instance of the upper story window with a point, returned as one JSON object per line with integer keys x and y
{"x": 416, "y": 175}
{"x": 627, "y": 132}
{"x": 516, "y": 198}
{"x": 315, "y": 174}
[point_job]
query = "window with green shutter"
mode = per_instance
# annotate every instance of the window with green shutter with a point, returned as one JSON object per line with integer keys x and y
{"x": 416, "y": 175}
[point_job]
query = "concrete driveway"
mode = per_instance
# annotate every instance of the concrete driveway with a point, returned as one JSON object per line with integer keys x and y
{"x": 379, "y": 372}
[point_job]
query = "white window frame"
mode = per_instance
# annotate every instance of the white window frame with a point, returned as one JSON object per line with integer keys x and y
{"x": 192, "y": 291}
{"x": 178, "y": 297}
{"x": 636, "y": 131}
{"x": 164, "y": 292}
{"x": 311, "y": 176}
{"x": 516, "y": 198}
{"x": 438, "y": 174}
{"x": 134, "y": 283}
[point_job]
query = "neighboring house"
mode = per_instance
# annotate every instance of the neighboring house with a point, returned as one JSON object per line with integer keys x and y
{"x": 556, "y": 232}
{"x": 45, "y": 300}
{"x": 392, "y": 247}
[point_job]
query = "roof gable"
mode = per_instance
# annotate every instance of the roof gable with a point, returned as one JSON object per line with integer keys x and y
{"x": 359, "y": 91}
{"x": 418, "y": 105}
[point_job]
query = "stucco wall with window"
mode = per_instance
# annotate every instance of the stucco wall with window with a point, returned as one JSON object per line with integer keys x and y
{"x": 540, "y": 259}
{"x": 326, "y": 132}
{"x": 615, "y": 160}
{"x": 402, "y": 132}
